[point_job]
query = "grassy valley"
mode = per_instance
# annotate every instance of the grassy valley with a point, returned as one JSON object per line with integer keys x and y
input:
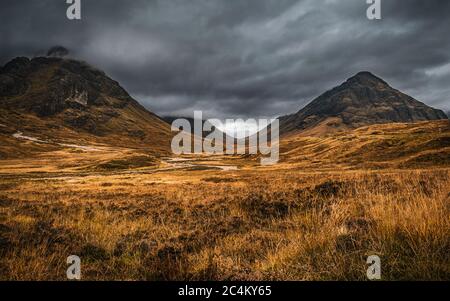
{"x": 331, "y": 202}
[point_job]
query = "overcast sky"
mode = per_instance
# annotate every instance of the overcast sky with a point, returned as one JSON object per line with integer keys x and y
{"x": 241, "y": 58}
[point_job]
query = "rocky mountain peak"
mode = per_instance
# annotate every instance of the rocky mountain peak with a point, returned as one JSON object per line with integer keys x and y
{"x": 69, "y": 93}
{"x": 49, "y": 85}
{"x": 363, "y": 99}
{"x": 366, "y": 78}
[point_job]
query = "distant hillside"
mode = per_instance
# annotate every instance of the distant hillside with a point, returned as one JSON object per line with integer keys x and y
{"x": 362, "y": 100}
{"x": 393, "y": 145}
{"x": 71, "y": 100}
{"x": 171, "y": 119}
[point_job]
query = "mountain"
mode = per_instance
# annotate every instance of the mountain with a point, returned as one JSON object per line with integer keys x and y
{"x": 363, "y": 99}
{"x": 69, "y": 99}
{"x": 171, "y": 119}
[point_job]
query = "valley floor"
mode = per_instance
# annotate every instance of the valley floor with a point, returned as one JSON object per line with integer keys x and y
{"x": 186, "y": 223}
{"x": 318, "y": 215}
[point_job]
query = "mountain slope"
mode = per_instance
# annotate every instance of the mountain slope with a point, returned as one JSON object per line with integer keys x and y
{"x": 363, "y": 99}
{"x": 70, "y": 100}
{"x": 393, "y": 145}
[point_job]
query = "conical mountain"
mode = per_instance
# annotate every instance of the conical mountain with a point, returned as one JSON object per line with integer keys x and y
{"x": 363, "y": 99}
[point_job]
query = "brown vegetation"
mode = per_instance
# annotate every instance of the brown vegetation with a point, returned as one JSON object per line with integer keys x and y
{"x": 146, "y": 218}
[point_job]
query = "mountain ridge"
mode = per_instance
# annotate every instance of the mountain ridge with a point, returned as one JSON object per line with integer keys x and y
{"x": 65, "y": 97}
{"x": 363, "y": 99}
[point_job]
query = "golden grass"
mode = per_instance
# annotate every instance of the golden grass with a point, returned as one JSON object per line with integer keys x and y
{"x": 281, "y": 224}
{"x": 135, "y": 215}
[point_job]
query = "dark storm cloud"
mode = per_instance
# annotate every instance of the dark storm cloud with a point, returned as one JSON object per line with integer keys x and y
{"x": 241, "y": 58}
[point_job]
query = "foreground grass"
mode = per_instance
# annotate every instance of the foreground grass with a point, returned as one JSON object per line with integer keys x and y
{"x": 243, "y": 225}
